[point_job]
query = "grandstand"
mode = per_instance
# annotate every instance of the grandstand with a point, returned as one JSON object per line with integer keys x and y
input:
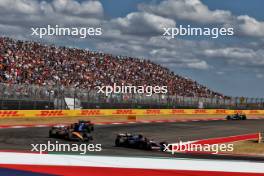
{"x": 35, "y": 72}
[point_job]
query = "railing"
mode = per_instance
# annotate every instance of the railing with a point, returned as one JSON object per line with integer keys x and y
{"x": 36, "y": 94}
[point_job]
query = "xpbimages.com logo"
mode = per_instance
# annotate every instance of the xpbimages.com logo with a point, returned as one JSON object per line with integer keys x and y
{"x": 214, "y": 33}
{"x": 81, "y": 32}
{"x": 129, "y": 89}
{"x": 196, "y": 147}
{"x": 81, "y": 148}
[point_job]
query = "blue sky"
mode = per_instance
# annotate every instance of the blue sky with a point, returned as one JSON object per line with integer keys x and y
{"x": 231, "y": 65}
{"x": 238, "y": 85}
{"x": 254, "y": 8}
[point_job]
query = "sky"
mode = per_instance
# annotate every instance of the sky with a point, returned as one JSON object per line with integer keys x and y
{"x": 231, "y": 65}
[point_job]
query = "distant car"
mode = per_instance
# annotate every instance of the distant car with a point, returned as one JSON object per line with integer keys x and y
{"x": 80, "y": 131}
{"x": 137, "y": 141}
{"x": 236, "y": 117}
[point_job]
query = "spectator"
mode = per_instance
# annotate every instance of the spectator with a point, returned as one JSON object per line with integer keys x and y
{"x": 42, "y": 65}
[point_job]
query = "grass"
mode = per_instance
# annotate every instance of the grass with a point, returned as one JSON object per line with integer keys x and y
{"x": 248, "y": 147}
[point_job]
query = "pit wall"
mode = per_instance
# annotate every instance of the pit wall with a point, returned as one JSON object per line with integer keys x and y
{"x": 120, "y": 112}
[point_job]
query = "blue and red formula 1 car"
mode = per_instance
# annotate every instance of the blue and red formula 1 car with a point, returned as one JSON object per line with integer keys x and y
{"x": 138, "y": 141}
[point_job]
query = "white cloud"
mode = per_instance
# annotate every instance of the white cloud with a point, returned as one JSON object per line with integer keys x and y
{"x": 19, "y": 6}
{"x": 143, "y": 23}
{"x": 238, "y": 56}
{"x": 28, "y": 13}
{"x": 93, "y": 8}
{"x": 250, "y": 26}
{"x": 193, "y": 10}
{"x": 259, "y": 75}
{"x": 202, "y": 65}
{"x": 135, "y": 34}
{"x": 220, "y": 73}
{"x": 27, "y": 7}
{"x": 230, "y": 53}
{"x": 197, "y": 12}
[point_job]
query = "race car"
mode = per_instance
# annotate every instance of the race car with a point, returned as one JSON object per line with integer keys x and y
{"x": 137, "y": 141}
{"x": 236, "y": 117}
{"x": 80, "y": 131}
{"x": 86, "y": 124}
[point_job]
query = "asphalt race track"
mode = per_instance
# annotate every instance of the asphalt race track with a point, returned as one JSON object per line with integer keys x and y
{"x": 22, "y": 138}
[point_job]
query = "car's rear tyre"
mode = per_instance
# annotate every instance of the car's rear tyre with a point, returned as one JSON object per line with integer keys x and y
{"x": 148, "y": 146}
{"x": 228, "y": 118}
{"x": 69, "y": 136}
{"x": 88, "y": 137}
{"x": 91, "y": 138}
{"x": 117, "y": 142}
{"x": 51, "y": 135}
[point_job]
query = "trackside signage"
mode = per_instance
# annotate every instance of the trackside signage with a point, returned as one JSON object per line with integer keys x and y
{"x": 10, "y": 114}
{"x": 153, "y": 112}
{"x": 238, "y": 111}
{"x": 221, "y": 111}
{"x": 178, "y": 111}
{"x": 91, "y": 112}
{"x": 124, "y": 112}
{"x": 200, "y": 111}
{"x": 253, "y": 112}
{"x": 55, "y": 113}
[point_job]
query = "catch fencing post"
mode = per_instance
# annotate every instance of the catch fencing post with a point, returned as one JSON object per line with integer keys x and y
{"x": 74, "y": 96}
{"x": 260, "y": 137}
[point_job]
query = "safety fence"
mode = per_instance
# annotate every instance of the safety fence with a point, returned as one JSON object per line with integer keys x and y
{"x": 120, "y": 112}
{"x": 43, "y": 97}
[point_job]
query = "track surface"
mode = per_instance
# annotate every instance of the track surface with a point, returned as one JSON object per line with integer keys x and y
{"x": 21, "y": 139}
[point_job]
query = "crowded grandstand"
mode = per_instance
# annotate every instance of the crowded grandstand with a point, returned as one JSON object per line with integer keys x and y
{"x": 36, "y": 64}
{"x": 33, "y": 64}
